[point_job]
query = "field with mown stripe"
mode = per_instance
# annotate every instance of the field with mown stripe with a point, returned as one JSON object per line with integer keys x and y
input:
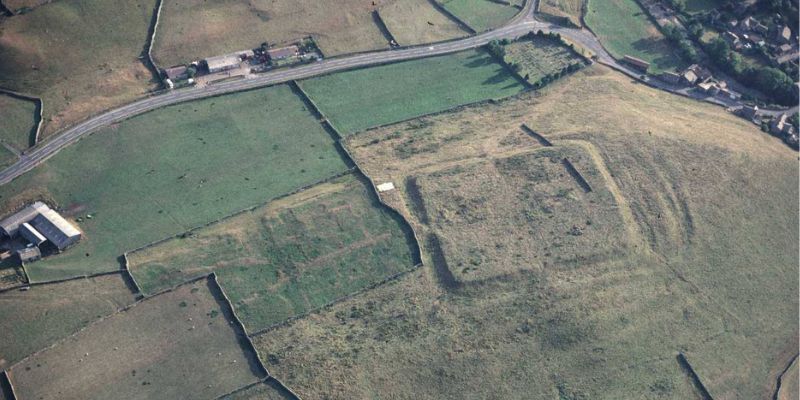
{"x": 290, "y": 256}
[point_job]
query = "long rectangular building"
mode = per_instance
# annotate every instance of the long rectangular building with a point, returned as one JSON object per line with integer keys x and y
{"x": 56, "y": 229}
{"x": 10, "y": 225}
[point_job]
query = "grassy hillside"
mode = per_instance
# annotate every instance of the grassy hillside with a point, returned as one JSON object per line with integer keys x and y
{"x": 79, "y": 56}
{"x": 161, "y": 173}
{"x": 195, "y": 29}
{"x": 709, "y": 201}
{"x": 356, "y": 100}
{"x": 170, "y": 346}
{"x": 44, "y": 314}
{"x": 480, "y": 15}
{"x": 417, "y": 21}
{"x": 19, "y": 121}
{"x": 289, "y": 257}
{"x": 624, "y": 29}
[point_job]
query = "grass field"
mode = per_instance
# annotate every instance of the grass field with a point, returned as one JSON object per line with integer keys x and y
{"x": 288, "y": 257}
{"x": 480, "y": 15}
{"x": 194, "y": 29}
{"x": 79, "y": 56}
{"x": 179, "y": 344}
{"x": 605, "y": 329}
{"x": 624, "y": 29}
{"x": 539, "y": 57}
{"x": 417, "y": 21}
{"x": 19, "y": 121}
{"x": 693, "y": 6}
{"x": 356, "y": 100}
{"x": 161, "y": 173}
{"x": 571, "y": 9}
{"x": 34, "y": 319}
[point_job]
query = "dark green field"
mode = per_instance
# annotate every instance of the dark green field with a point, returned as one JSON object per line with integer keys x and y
{"x": 164, "y": 172}
{"x": 356, "y": 100}
{"x": 288, "y": 257}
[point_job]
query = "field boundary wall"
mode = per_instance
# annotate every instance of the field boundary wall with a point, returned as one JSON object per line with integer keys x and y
{"x": 332, "y": 303}
{"x": 38, "y": 114}
{"x": 151, "y": 39}
{"x": 463, "y": 25}
{"x": 376, "y": 16}
{"x": 690, "y": 372}
{"x": 242, "y": 331}
{"x": 539, "y": 138}
{"x": 6, "y": 387}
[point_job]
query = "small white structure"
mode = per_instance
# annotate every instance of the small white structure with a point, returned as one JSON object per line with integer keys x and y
{"x": 385, "y": 187}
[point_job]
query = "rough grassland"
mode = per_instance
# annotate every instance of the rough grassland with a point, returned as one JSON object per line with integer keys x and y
{"x": 19, "y": 120}
{"x": 480, "y": 15}
{"x": 417, "y": 21}
{"x": 34, "y": 319}
{"x": 16, "y": 5}
{"x": 789, "y": 385}
{"x": 571, "y": 9}
{"x": 356, "y": 100}
{"x": 175, "y": 168}
{"x": 194, "y": 29}
{"x": 711, "y": 199}
{"x": 79, "y": 56}
{"x": 539, "y": 57}
{"x": 290, "y": 256}
{"x": 521, "y": 212}
{"x": 261, "y": 391}
{"x": 624, "y": 28}
{"x": 179, "y": 344}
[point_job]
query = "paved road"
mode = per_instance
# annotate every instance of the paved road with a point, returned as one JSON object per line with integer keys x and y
{"x": 519, "y": 25}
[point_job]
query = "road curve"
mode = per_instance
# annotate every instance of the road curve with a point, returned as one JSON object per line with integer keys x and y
{"x": 518, "y": 26}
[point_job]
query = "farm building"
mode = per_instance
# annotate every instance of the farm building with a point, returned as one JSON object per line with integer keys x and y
{"x": 222, "y": 63}
{"x": 636, "y": 62}
{"x": 176, "y": 73}
{"x": 31, "y": 234}
{"x": 10, "y": 225}
{"x": 29, "y": 254}
{"x": 283, "y": 52}
{"x": 227, "y": 61}
{"x": 38, "y": 223}
{"x": 56, "y": 229}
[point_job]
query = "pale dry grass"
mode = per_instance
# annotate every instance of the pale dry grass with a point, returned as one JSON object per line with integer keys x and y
{"x": 571, "y": 9}
{"x": 180, "y": 344}
{"x": 416, "y": 21}
{"x": 711, "y": 197}
{"x": 195, "y": 29}
{"x": 34, "y": 319}
{"x": 80, "y": 57}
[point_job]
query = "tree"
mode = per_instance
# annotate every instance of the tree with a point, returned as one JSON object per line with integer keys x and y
{"x": 191, "y": 71}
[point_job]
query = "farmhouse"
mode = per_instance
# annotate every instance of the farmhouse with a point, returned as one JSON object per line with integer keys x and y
{"x": 283, "y": 52}
{"x": 177, "y": 72}
{"x": 636, "y": 62}
{"x": 223, "y": 63}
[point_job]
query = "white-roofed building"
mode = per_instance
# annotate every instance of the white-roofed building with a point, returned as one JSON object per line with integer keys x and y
{"x": 56, "y": 229}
